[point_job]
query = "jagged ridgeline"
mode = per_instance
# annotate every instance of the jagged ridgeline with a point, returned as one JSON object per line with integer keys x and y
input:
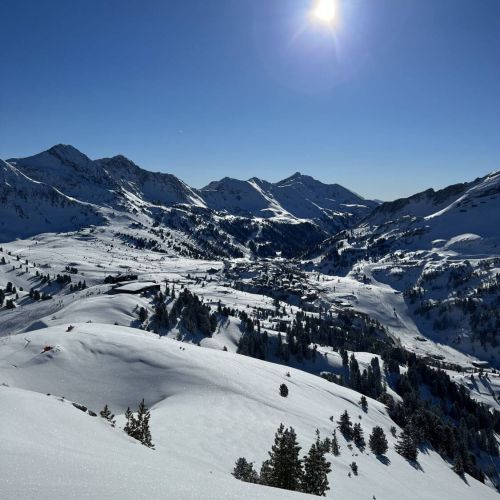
{"x": 62, "y": 189}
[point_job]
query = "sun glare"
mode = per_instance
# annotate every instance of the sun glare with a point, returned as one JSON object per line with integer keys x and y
{"x": 325, "y": 11}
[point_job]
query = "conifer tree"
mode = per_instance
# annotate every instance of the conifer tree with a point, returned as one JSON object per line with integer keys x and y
{"x": 138, "y": 427}
{"x": 265, "y": 473}
{"x": 335, "y": 444}
{"x": 406, "y": 445}
{"x": 316, "y": 469}
{"x": 244, "y": 471}
{"x": 106, "y": 413}
{"x": 144, "y": 433}
{"x": 345, "y": 425}
{"x": 458, "y": 464}
{"x": 283, "y": 390}
{"x": 131, "y": 425}
{"x": 364, "y": 403}
{"x": 378, "y": 441}
{"x": 284, "y": 467}
{"x": 358, "y": 436}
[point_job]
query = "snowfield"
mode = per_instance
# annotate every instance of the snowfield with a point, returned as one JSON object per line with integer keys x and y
{"x": 208, "y": 408}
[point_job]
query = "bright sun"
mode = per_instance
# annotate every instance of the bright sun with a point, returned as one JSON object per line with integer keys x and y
{"x": 325, "y": 11}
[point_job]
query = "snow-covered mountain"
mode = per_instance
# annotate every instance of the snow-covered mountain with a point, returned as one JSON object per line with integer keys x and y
{"x": 461, "y": 210}
{"x": 297, "y": 197}
{"x": 441, "y": 251}
{"x": 226, "y": 218}
{"x": 29, "y": 207}
{"x": 104, "y": 181}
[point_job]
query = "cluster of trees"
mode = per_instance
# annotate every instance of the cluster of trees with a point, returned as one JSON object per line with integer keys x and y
{"x": 465, "y": 301}
{"x": 36, "y": 295}
{"x": 63, "y": 279}
{"x": 369, "y": 382}
{"x": 11, "y": 290}
{"x": 377, "y": 440}
{"x": 81, "y": 285}
{"x": 193, "y": 314}
{"x": 454, "y": 424}
{"x": 285, "y": 469}
{"x": 137, "y": 426}
{"x": 348, "y": 330}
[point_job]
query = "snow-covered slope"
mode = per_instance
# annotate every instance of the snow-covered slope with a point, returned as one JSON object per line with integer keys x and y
{"x": 29, "y": 207}
{"x": 208, "y": 408}
{"x": 462, "y": 211}
{"x": 440, "y": 252}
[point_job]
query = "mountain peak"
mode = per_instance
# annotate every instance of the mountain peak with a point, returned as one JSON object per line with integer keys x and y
{"x": 298, "y": 177}
{"x": 66, "y": 152}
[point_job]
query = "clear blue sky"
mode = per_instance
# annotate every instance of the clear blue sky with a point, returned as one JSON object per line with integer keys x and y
{"x": 403, "y": 96}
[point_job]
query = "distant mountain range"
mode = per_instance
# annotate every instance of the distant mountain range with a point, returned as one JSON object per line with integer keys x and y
{"x": 62, "y": 189}
{"x": 222, "y": 218}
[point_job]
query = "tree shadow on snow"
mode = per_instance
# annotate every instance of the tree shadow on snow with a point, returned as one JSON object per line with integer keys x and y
{"x": 464, "y": 479}
{"x": 416, "y": 465}
{"x": 383, "y": 459}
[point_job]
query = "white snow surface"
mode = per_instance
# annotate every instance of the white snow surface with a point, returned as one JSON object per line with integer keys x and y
{"x": 208, "y": 408}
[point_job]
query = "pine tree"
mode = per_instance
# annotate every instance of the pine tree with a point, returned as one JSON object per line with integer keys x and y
{"x": 244, "y": 471}
{"x": 143, "y": 416}
{"x": 284, "y": 467}
{"x": 364, "y": 403}
{"x": 406, "y": 445}
{"x": 143, "y": 314}
{"x": 106, "y": 413}
{"x": 358, "y": 436}
{"x": 354, "y": 468}
{"x": 335, "y": 444}
{"x": 131, "y": 425}
{"x": 265, "y": 476}
{"x": 283, "y": 390}
{"x": 458, "y": 464}
{"x": 316, "y": 469}
{"x": 378, "y": 441}
{"x": 138, "y": 427}
{"x": 345, "y": 425}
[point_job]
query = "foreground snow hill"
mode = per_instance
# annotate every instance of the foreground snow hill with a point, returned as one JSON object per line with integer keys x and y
{"x": 208, "y": 408}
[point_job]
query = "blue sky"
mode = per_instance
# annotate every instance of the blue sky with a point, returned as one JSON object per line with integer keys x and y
{"x": 401, "y": 95}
